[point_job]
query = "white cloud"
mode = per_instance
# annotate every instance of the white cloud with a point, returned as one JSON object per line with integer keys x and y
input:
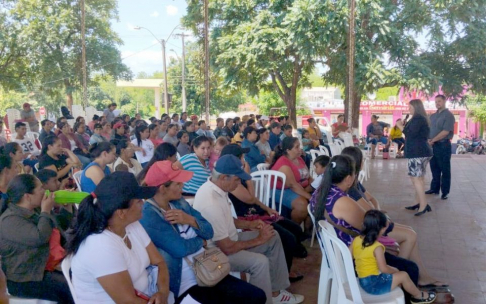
{"x": 147, "y": 61}
{"x": 155, "y": 14}
{"x": 171, "y": 10}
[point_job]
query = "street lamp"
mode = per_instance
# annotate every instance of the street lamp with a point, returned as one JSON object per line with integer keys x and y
{"x": 162, "y": 42}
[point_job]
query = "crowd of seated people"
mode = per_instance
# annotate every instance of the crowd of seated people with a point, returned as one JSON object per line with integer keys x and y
{"x": 157, "y": 196}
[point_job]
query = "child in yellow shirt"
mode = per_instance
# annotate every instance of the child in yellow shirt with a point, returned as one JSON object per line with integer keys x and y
{"x": 375, "y": 276}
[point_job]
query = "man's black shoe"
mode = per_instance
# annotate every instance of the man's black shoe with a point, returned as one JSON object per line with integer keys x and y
{"x": 431, "y": 192}
{"x": 444, "y": 196}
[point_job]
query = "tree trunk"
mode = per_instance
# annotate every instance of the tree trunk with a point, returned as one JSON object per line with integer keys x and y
{"x": 355, "y": 119}
{"x": 292, "y": 110}
{"x": 69, "y": 95}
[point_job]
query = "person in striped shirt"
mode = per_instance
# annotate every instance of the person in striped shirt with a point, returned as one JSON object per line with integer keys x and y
{"x": 197, "y": 162}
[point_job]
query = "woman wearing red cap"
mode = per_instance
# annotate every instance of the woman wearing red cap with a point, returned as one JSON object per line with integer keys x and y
{"x": 180, "y": 232}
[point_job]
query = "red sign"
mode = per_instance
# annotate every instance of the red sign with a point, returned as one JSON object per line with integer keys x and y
{"x": 42, "y": 111}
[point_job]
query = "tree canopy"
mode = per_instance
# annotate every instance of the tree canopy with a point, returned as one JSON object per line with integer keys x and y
{"x": 41, "y": 48}
{"x": 274, "y": 45}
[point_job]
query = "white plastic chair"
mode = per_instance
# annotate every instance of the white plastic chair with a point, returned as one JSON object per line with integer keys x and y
{"x": 325, "y": 277}
{"x": 324, "y": 150}
{"x": 335, "y": 149}
{"x": 344, "y": 279}
{"x": 313, "y": 225}
{"x": 77, "y": 179}
{"x": 263, "y": 166}
{"x": 314, "y": 154}
{"x": 266, "y": 186}
{"x": 348, "y": 139}
{"x": 66, "y": 267}
{"x": 15, "y": 300}
{"x": 393, "y": 150}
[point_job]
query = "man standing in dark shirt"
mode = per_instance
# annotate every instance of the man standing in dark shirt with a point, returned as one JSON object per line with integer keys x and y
{"x": 441, "y": 132}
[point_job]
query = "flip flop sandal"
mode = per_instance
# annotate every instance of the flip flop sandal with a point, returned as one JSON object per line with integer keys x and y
{"x": 431, "y": 298}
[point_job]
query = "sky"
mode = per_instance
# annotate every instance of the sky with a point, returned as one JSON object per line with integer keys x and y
{"x": 141, "y": 52}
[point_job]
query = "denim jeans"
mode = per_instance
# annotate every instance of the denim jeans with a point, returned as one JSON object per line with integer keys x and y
{"x": 377, "y": 284}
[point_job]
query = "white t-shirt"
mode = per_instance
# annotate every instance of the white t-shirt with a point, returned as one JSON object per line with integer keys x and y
{"x": 215, "y": 206}
{"x": 28, "y": 146}
{"x": 106, "y": 253}
{"x": 73, "y": 144}
{"x": 317, "y": 182}
{"x": 148, "y": 146}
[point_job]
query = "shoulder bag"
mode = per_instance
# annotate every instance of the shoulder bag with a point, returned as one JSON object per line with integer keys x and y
{"x": 210, "y": 266}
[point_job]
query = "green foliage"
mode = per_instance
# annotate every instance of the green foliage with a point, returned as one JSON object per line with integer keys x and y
{"x": 46, "y": 34}
{"x": 254, "y": 41}
{"x": 386, "y": 92}
{"x": 477, "y": 107}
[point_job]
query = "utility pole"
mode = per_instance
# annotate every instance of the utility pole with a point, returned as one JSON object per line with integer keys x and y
{"x": 184, "y": 102}
{"x": 83, "y": 55}
{"x": 206, "y": 58}
{"x": 166, "y": 89}
{"x": 351, "y": 52}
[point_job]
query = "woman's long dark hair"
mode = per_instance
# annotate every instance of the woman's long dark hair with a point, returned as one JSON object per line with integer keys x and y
{"x": 48, "y": 141}
{"x": 356, "y": 155}
{"x": 337, "y": 170}
{"x": 281, "y": 150}
{"x": 138, "y": 131}
{"x": 163, "y": 152}
{"x": 97, "y": 148}
{"x": 374, "y": 221}
{"x": 17, "y": 188}
{"x": 10, "y": 147}
{"x": 418, "y": 106}
{"x": 92, "y": 219}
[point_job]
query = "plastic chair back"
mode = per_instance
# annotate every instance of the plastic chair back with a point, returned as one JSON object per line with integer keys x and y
{"x": 335, "y": 149}
{"x": 324, "y": 150}
{"x": 314, "y": 154}
{"x": 66, "y": 267}
{"x": 348, "y": 139}
{"x": 265, "y": 186}
{"x": 77, "y": 179}
{"x": 263, "y": 166}
{"x": 325, "y": 277}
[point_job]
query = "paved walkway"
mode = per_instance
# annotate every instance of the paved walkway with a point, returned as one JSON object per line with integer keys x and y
{"x": 452, "y": 238}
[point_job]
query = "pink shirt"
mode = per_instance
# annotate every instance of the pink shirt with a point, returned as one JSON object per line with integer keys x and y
{"x": 301, "y": 172}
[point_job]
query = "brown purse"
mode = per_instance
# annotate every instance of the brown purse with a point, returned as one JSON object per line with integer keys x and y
{"x": 210, "y": 266}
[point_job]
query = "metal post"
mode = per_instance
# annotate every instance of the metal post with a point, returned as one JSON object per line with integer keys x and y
{"x": 184, "y": 102}
{"x": 166, "y": 90}
{"x": 83, "y": 55}
{"x": 206, "y": 58}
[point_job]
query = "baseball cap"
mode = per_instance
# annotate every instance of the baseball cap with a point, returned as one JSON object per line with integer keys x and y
{"x": 121, "y": 186}
{"x": 26, "y": 104}
{"x": 193, "y": 117}
{"x": 375, "y": 116}
{"x": 118, "y": 125}
{"x": 234, "y": 149}
{"x": 231, "y": 165}
{"x": 264, "y": 117}
{"x": 164, "y": 171}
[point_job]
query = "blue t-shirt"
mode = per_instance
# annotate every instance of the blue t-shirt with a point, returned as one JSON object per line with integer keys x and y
{"x": 190, "y": 162}
{"x": 87, "y": 184}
